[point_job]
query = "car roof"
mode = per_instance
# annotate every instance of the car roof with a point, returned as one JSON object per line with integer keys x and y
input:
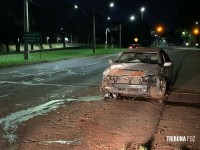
{"x": 143, "y": 50}
{"x": 134, "y": 44}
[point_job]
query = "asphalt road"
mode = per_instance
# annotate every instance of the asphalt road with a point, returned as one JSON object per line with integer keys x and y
{"x": 22, "y": 87}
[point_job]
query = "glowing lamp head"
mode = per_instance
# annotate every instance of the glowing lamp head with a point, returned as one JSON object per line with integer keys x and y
{"x": 196, "y": 31}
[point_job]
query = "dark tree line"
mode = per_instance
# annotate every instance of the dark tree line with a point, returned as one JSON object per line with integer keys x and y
{"x": 186, "y": 15}
{"x": 187, "y": 12}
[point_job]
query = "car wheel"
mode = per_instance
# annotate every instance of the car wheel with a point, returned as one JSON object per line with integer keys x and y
{"x": 158, "y": 90}
{"x": 111, "y": 96}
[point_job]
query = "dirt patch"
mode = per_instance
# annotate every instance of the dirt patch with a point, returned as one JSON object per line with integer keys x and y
{"x": 179, "y": 128}
{"x": 123, "y": 124}
{"x": 93, "y": 125}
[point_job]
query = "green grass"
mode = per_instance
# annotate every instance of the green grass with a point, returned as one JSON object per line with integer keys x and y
{"x": 45, "y": 56}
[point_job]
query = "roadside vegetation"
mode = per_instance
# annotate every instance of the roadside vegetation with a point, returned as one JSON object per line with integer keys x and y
{"x": 14, "y": 59}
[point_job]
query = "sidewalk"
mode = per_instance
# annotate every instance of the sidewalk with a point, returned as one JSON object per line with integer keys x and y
{"x": 189, "y": 74}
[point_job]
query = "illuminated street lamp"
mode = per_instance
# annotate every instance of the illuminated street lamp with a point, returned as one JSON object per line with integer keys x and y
{"x": 132, "y": 18}
{"x": 196, "y": 31}
{"x": 142, "y": 10}
{"x": 76, "y": 6}
{"x": 159, "y": 29}
{"x": 112, "y": 4}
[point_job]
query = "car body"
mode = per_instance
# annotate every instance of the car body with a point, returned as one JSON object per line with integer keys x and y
{"x": 134, "y": 46}
{"x": 138, "y": 72}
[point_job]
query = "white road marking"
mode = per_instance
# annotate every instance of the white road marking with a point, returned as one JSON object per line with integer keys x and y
{"x": 91, "y": 64}
{"x": 6, "y": 95}
{"x": 11, "y": 122}
{"x": 103, "y": 57}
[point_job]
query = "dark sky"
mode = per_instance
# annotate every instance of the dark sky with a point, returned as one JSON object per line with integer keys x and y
{"x": 157, "y": 11}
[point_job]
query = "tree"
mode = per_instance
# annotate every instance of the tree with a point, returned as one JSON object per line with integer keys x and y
{"x": 187, "y": 12}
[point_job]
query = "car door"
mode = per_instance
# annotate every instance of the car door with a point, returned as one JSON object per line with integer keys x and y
{"x": 167, "y": 66}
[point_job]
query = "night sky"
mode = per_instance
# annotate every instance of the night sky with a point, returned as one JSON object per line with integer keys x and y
{"x": 157, "y": 11}
{"x": 49, "y": 16}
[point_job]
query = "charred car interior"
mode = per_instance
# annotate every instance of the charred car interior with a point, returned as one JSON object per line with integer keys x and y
{"x": 137, "y": 72}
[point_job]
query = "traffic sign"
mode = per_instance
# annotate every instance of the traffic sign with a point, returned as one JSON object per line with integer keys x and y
{"x": 136, "y": 39}
{"x": 32, "y": 38}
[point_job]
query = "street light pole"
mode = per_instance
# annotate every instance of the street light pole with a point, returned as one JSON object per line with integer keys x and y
{"x": 132, "y": 18}
{"x": 106, "y": 42}
{"x": 93, "y": 23}
{"x": 94, "y": 32}
{"x": 142, "y": 10}
{"x": 120, "y": 35}
{"x": 26, "y": 29}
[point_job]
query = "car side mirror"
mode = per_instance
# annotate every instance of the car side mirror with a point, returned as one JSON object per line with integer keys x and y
{"x": 167, "y": 64}
{"x": 110, "y": 62}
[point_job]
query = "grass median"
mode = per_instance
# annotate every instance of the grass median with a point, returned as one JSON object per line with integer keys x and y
{"x": 8, "y": 60}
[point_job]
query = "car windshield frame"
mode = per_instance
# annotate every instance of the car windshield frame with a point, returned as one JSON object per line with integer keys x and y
{"x": 138, "y": 57}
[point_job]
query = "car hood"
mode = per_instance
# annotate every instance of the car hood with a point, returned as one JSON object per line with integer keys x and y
{"x": 130, "y": 69}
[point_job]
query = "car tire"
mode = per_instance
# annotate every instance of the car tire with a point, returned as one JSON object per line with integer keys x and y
{"x": 111, "y": 96}
{"x": 158, "y": 90}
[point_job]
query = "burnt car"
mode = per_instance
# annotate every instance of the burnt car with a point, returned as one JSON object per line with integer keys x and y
{"x": 138, "y": 72}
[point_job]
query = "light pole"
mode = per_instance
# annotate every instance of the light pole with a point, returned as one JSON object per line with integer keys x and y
{"x": 26, "y": 29}
{"x": 132, "y": 18}
{"x": 93, "y": 23}
{"x": 159, "y": 31}
{"x": 120, "y": 35}
{"x": 142, "y": 10}
{"x": 94, "y": 32}
{"x": 106, "y": 42}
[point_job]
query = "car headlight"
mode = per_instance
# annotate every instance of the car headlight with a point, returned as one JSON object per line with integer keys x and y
{"x": 145, "y": 78}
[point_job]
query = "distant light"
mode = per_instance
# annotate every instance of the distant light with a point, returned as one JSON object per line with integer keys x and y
{"x": 66, "y": 39}
{"x": 159, "y": 29}
{"x": 197, "y": 23}
{"x": 183, "y": 33}
{"x": 196, "y": 31}
{"x": 187, "y": 44}
{"x": 58, "y": 39}
{"x": 76, "y": 6}
{"x": 142, "y": 9}
{"x": 108, "y": 18}
{"x": 132, "y": 17}
{"x": 197, "y": 44}
{"x": 112, "y": 4}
